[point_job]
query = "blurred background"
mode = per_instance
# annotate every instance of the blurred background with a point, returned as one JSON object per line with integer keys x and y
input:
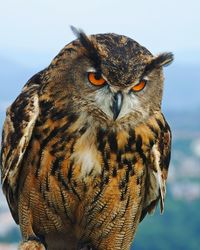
{"x": 32, "y": 33}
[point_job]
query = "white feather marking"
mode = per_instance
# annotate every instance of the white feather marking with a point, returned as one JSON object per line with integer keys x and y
{"x": 25, "y": 139}
{"x": 88, "y": 163}
{"x": 158, "y": 175}
{"x": 130, "y": 103}
{"x": 104, "y": 100}
{"x": 86, "y": 155}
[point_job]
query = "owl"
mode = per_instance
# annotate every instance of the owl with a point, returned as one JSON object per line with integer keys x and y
{"x": 85, "y": 146}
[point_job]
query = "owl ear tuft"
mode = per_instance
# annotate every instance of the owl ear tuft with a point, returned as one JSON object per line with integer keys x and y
{"x": 81, "y": 36}
{"x": 159, "y": 61}
{"x": 92, "y": 52}
{"x": 164, "y": 59}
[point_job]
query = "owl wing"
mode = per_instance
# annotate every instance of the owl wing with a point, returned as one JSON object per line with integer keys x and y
{"x": 17, "y": 131}
{"x": 157, "y": 171}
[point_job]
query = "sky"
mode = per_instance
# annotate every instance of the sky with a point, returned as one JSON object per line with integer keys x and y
{"x": 41, "y": 27}
{"x": 32, "y": 32}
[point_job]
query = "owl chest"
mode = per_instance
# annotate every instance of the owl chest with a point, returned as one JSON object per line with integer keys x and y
{"x": 86, "y": 175}
{"x": 92, "y": 155}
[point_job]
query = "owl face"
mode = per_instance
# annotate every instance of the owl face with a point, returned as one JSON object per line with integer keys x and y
{"x": 110, "y": 76}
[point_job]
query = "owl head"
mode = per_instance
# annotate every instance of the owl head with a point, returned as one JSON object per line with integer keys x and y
{"x": 108, "y": 77}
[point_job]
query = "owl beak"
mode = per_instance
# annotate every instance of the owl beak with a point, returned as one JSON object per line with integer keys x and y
{"x": 117, "y": 104}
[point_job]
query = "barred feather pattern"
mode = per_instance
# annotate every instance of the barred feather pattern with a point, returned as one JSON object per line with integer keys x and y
{"x": 72, "y": 179}
{"x": 102, "y": 203}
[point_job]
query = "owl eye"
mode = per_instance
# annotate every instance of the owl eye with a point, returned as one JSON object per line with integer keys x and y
{"x": 96, "y": 79}
{"x": 140, "y": 86}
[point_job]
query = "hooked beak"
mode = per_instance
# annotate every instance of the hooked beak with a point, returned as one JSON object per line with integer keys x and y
{"x": 117, "y": 104}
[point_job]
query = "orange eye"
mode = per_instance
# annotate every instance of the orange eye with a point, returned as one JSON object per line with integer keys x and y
{"x": 96, "y": 79}
{"x": 138, "y": 87}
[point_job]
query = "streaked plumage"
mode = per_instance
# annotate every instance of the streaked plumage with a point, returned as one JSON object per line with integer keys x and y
{"x": 82, "y": 164}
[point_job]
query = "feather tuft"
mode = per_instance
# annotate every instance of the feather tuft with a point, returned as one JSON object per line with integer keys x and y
{"x": 161, "y": 60}
{"x": 91, "y": 50}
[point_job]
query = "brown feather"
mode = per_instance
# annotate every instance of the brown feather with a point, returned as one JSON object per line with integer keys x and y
{"x": 75, "y": 178}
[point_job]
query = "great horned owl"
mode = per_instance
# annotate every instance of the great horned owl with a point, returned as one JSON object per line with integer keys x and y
{"x": 85, "y": 147}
